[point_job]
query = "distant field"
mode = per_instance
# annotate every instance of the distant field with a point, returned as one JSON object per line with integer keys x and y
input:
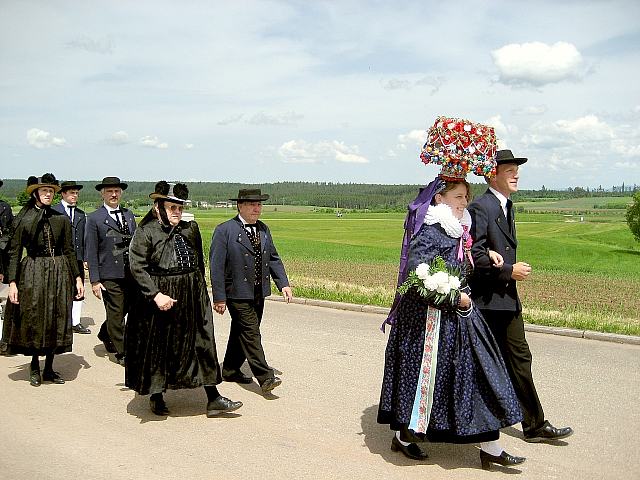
{"x": 586, "y": 274}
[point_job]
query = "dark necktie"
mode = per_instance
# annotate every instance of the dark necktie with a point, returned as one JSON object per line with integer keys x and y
{"x": 71, "y": 207}
{"x": 122, "y": 225}
{"x": 510, "y": 215}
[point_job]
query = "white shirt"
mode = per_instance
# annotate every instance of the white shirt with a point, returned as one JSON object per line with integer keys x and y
{"x": 502, "y": 199}
{"x": 245, "y": 225}
{"x": 70, "y": 211}
{"x": 118, "y": 218}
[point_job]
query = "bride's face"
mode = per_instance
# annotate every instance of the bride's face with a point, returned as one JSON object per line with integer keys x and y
{"x": 456, "y": 198}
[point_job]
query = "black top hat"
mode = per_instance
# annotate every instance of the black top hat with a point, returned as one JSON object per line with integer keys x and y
{"x": 505, "y": 156}
{"x": 69, "y": 185}
{"x": 173, "y": 192}
{"x": 46, "y": 180}
{"x": 250, "y": 195}
{"x": 111, "y": 182}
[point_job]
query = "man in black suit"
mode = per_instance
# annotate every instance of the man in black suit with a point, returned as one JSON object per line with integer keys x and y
{"x": 242, "y": 259}
{"x": 494, "y": 290}
{"x": 70, "y": 191}
{"x": 107, "y": 236}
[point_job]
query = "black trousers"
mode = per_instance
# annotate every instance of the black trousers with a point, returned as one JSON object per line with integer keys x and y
{"x": 508, "y": 330}
{"x": 117, "y": 299}
{"x": 245, "y": 340}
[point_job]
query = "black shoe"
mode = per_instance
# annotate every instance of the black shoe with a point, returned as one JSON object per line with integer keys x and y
{"x": 412, "y": 450}
{"x": 108, "y": 344}
{"x": 547, "y": 432}
{"x": 80, "y": 329}
{"x": 53, "y": 377}
{"x": 506, "y": 460}
{"x": 158, "y": 406}
{"x": 120, "y": 359}
{"x": 34, "y": 378}
{"x": 237, "y": 378}
{"x": 270, "y": 383}
{"x": 221, "y": 405}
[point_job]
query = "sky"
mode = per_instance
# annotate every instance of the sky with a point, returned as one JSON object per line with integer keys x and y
{"x": 322, "y": 91}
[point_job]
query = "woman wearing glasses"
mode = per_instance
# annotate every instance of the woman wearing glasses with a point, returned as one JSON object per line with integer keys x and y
{"x": 169, "y": 338}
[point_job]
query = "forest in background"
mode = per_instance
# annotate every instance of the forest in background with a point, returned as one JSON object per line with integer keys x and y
{"x": 377, "y": 197}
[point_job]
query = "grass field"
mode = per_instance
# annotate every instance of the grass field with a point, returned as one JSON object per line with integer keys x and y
{"x": 585, "y": 275}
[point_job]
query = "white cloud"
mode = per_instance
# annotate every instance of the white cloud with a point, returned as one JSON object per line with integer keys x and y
{"x": 153, "y": 142}
{"x": 118, "y": 138}
{"x": 92, "y": 45}
{"x": 417, "y": 137}
{"x": 501, "y": 129}
{"x": 435, "y": 82}
{"x": 41, "y": 139}
{"x": 231, "y": 119}
{"x": 284, "y": 118}
{"x": 396, "y": 84}
{"x": 537, "y": 64}
{"x": 584, "y": 130}
{"x": 300, "y": 151}
{"x": 531, "y": 110}
{"x": 188, "y": 146}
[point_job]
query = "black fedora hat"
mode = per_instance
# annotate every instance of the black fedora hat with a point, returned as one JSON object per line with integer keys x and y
{"x": 70, "y": 185}
{"x": 111, "y": 182}
{"x": 505, "y": 156}
{"x": 250, "y": 195}
{"x": 173, "y": 192}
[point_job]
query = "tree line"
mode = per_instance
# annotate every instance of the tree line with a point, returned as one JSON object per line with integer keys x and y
{"x": 320, "y": 194}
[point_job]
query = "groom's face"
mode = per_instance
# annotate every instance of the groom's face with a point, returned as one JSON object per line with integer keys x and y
{"x": 506, "y": 179}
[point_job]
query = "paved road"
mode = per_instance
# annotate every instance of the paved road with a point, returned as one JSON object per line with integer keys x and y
{"x": 319, "y": 425}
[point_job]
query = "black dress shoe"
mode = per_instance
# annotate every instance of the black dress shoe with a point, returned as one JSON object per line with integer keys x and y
{"x": 80, "y": 329}
{"x": 506, "y": 460}
{"x": 547, "y": 432}
{"x": 270, "y": 383}
{"x": 53, "y": 377}
{"x": 412, "y": 450}
{"x": 108, "y": 344}
{"x": 158, "y": 406}
{"x": 237, "y": 378}
{"x": 34, "y": 378}
{"x": 120, "y": 359}
{"x": 221, "y": 405}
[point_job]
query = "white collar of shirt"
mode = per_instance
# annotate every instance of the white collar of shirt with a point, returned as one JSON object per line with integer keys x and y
{"x": 502, "y": 199}
{"x": 244, "y": 222}
{"x": 66, "y": 205}
{"x": 111, "y": 210}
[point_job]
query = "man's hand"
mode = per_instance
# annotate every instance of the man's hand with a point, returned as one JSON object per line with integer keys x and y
{"x": 496, "y": 259}
{"x": 287, "y": 294}
{"x": 79, "y": 288}
{"x": 164, "y": 302}
{"x": 97, "y": 288}
{"x": 521, "y": 271}
{"x": 13, "y": 293}
{"x": 220, "y": 307}
{"x": 1, "y": 277}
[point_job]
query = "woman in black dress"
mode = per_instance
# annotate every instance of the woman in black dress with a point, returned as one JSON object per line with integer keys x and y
{"x": 444, "y": 377}
{"x": 169, "y": 338}
{"x": 42, "y": 285}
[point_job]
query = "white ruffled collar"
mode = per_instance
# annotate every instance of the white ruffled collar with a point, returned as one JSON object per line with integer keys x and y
{"x": 443, "y": 215}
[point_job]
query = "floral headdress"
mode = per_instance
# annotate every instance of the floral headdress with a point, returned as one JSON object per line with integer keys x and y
{"x": 460, "y": 146}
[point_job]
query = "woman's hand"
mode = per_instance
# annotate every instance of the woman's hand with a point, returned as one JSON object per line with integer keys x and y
{"x": 496, "y": 259}
{"x": 220, "y": 307}
{"x": 79, "y": 288}
{"x": 465, "y": 301}
{"x": 13, "y": 293}
{"x": 164, "y": 302}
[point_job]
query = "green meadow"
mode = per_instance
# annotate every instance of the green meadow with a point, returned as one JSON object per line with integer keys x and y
{"x": 585, "y": 273}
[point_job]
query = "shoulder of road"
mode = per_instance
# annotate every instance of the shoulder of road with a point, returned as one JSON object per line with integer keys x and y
{"x": 566, "y": 332}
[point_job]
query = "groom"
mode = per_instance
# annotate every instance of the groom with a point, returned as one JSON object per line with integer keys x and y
{"x": 494, "y": 290}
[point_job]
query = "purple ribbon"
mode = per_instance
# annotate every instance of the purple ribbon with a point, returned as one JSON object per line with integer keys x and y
{"x": 417, "y": 210}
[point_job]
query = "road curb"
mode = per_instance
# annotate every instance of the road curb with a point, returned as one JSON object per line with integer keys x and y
{"x": 529, "y": 327}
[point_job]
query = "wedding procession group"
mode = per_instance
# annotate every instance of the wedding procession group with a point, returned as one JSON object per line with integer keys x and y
{"x": 457, "y": 364}
{"x": 151, "y": 279}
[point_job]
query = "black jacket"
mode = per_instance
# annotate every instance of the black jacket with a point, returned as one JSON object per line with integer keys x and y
{"x": 492, "y": 288}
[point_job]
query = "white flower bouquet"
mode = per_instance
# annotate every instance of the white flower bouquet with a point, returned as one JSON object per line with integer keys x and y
{"x": 436, "y": 283}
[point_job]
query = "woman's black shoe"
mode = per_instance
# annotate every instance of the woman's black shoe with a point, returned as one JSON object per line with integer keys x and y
{"x": 34, "y": 378}
{"x": 412, "y": 450}
{"x": 504, "y": 459}
{"x": 158, "y": 406}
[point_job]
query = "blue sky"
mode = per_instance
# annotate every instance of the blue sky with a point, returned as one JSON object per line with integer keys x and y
{"x": 315, "y": 91}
